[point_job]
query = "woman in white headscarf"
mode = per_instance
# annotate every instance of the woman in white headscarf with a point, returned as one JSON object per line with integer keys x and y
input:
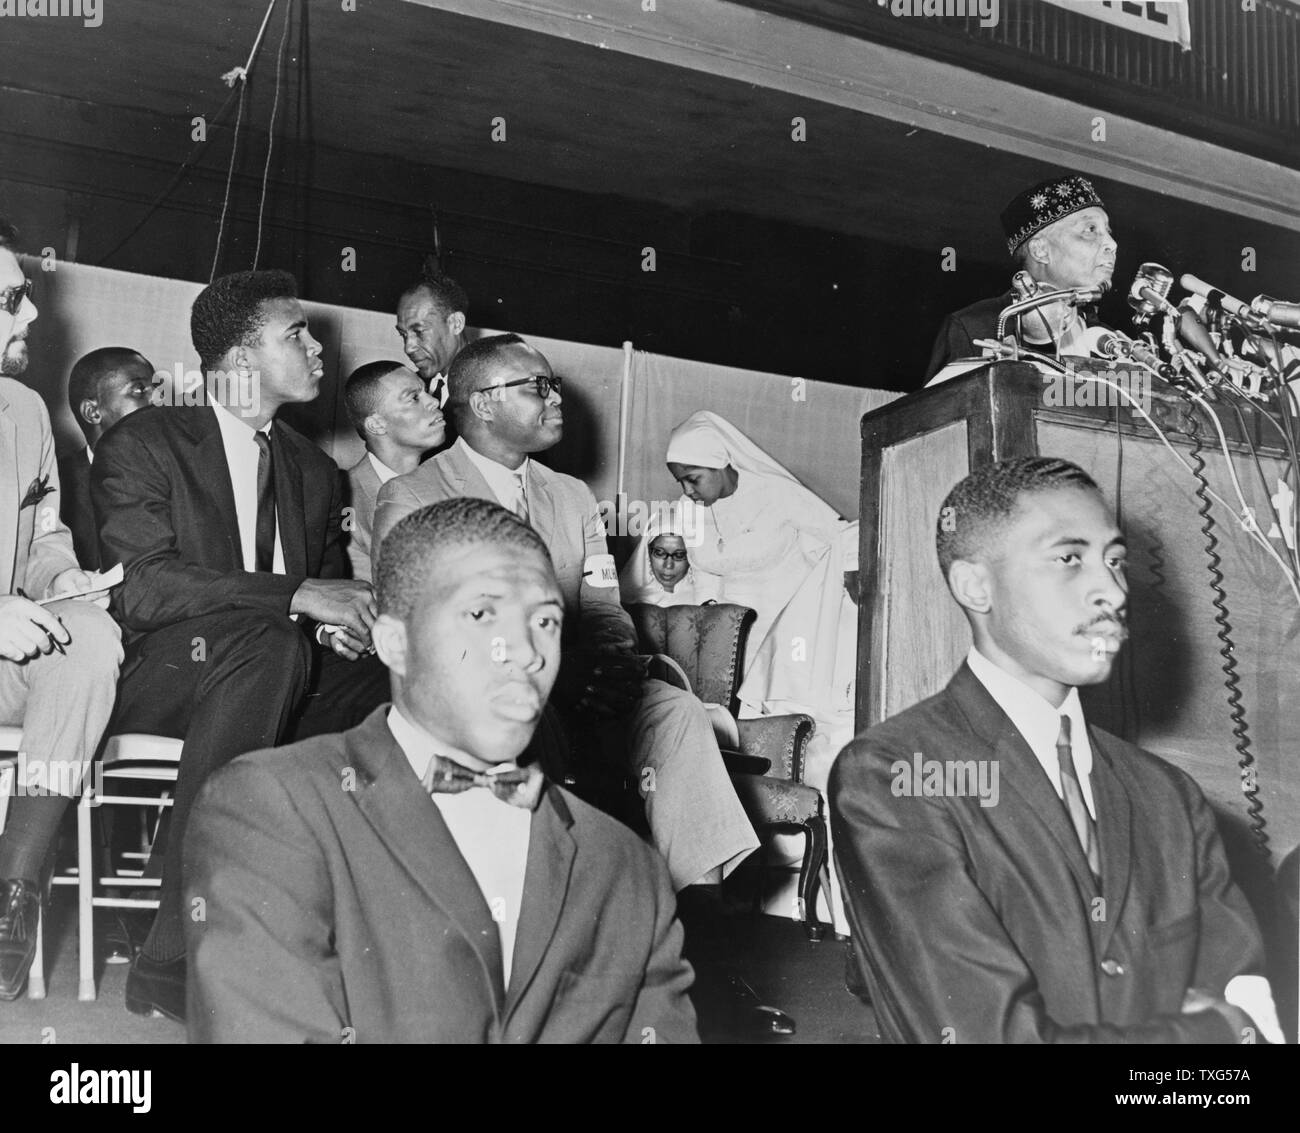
{"x": 659, "y": 572}
{"x": 763, "y": 540}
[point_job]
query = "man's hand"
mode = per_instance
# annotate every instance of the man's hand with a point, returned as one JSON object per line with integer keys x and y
{"x": 28, "y": 630}
{"x": 605, "y": 685}
{"x": 345, "y": 645}
{"x": 338, "y": 601}
{"x": 75, "y": 579}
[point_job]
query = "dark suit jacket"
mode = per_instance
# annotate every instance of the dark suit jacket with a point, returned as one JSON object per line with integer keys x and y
{"x": 78, "y": 511}
{"x": 339, "y": 908}
{"x": 983, "y": 920}
{"x": 959, "y": 330}
{"x": 162, "y": 489}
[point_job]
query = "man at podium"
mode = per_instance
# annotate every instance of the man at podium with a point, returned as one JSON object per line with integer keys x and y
{"x": 1058, "y": 235}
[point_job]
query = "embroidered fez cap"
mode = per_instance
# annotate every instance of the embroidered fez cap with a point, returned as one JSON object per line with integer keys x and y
{"x": 1046, "y": 203}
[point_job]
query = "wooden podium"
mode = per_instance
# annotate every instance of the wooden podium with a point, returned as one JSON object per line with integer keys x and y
{"x": 1168, "y": 691}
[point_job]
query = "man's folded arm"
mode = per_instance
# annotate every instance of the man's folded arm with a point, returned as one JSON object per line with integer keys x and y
{"x": 941, "y": 965}
{"x": 132, "y": 495}
{"x": 259, "y": 918}
{"x": 604, "y": 625}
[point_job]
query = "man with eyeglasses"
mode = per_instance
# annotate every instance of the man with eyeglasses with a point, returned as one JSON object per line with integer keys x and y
{"x": 58, "y": 659}
{"x": 507, "y": 405}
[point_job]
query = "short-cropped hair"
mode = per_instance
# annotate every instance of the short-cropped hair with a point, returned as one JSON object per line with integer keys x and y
{"x": 89, "y": 369}
{"x": 410, "y": 554}
{"x": 471, "y": 369}
{"x": 362, "y": 391}
{"x": 228, "y": 312}
{"x": 975, "y": 510}
{"x": 8, "y": 235}
{"x": 447, "y": 294}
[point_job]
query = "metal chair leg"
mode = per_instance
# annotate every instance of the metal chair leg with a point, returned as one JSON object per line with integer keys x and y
{"x": 85, "y": 900}
{"x": 36, "y": 975}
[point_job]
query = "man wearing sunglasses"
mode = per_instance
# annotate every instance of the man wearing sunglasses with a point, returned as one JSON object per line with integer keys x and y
{"x": 58, "y": 659}
{"x": 506, "y": 403}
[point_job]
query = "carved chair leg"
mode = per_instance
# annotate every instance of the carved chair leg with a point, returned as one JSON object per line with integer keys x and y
{"x": 810, "y": 875}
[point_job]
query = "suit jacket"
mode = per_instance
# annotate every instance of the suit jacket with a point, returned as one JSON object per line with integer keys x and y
{"x": 986, "y": 919}
{"x": 351, "y": 915}
{"x": 957, "y": 334}
{"x": 562, "y": 511}
{"x": 162, "y": 490}
{"x": 363, "y": 488}
{"x": 35, "y": 546}
{"x": 78, "y": 510}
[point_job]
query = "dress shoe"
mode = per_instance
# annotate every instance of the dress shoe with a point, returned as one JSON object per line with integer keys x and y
{"x": 756, "y": 1018}
{"x": 20, "y": 906}
{"x": 156, "y": 987}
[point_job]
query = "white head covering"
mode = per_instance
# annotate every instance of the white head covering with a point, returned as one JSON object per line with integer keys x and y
{"x": 637, "y": 582}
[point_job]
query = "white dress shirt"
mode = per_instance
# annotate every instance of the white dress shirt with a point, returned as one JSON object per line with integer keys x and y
{"x": 242, "y": 454}
{"x": 509, "y": 485}
{"x": 381, "y": 469}
{"x": 492, "y": 835}
{"x": 1039, "y": 723}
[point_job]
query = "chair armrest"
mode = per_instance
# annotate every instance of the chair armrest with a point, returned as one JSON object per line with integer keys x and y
{"x": 781, "y": 740}
{"x": 664, "y": 668}
{"x": 742, "y": 763}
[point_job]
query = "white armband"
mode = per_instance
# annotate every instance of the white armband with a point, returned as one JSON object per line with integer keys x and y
{"x": 599, "y": 570}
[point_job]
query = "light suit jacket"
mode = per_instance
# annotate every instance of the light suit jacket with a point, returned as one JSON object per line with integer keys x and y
{"x": 363, "y": 487}
{"x": 35, "y": 546}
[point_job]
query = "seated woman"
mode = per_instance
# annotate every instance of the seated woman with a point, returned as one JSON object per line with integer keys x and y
{"x": 767, "y": 542}
{"x": 659, "y": 571}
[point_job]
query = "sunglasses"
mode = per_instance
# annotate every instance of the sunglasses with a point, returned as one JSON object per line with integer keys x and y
{"x": 543, "y": 384}
{"x": 11, "y": 298}
{"x": 664, "y": 556}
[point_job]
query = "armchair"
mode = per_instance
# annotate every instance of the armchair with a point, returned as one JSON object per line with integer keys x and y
{"x": 707, "y": 644}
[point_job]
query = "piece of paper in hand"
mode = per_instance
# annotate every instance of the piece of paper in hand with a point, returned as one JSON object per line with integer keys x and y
{"x": 101, "y": 582}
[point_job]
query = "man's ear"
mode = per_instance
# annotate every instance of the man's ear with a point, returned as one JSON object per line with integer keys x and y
{"x": 375, "y": 425}
{"x": 482, "y": 406}
{"x": 1039, "y": 250}
{"x": 388, "y": 634}
{"x": 456, "y": 322}
{"x": 89, "y": 410}
{"x": 970, "y": 584}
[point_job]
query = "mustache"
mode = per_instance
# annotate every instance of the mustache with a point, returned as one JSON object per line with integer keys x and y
{"x": 1116, "y": 620}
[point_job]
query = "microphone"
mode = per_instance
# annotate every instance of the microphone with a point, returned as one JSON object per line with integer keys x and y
{"x": 1116, "y": 347}
{"x": 1233, "y": 306}
{"x": 1148, "y": 294}
{"x": 1193, "y": 332}
{"x": 1277, "y": 312}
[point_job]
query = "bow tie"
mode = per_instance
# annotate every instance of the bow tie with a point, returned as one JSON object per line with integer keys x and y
{"x": 520, "y": 786}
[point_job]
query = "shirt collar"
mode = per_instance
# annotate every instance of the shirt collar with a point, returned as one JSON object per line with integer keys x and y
{"x": 381, "y": 469}
{"x": 1036, "y": 720}
{"x": 419, "y": 747}
{"x": 502, "y": 480}
{"x": 236, "y": 427}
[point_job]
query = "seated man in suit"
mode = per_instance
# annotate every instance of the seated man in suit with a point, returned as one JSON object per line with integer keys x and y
{"x": 229, "y": 524}
{"x": 1012, "y": 873}
{"x": 506, "y": 403}
{"x": 443, "y": 894}
{"x": 1058, "y": 236}
{"x": 58, "y": 662}
{"x": 104, "y": 386}
{"x": 431, "y": 318}
{"x": 399, "y": 421}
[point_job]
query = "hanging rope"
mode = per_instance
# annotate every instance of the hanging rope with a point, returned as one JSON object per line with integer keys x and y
{"x": 270, "y": 135}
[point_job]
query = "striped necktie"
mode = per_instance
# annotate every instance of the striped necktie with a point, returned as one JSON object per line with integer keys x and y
{"x": 1084, "y": 827}
{"x": 521, "y": 500}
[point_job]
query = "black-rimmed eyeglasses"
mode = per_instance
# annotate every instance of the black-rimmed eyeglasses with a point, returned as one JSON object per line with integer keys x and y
{"x": 660, "y": 553}
{"x": 11, "y": 298}
{"x": 542, "y": 383}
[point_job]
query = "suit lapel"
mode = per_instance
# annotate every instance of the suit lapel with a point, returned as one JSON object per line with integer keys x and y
{"x": 551, "y": 850}
{"x": 412, "y": 828}
{"x": 1114, "y": 831}
{"x": 466, "y": 480}
{"x": 10, "y": 489}
{"x": 1022, "y": 773}
{"x": 214, "y": 476}
{"x": 289, "y": 510}
{"x": 541, "y": 504}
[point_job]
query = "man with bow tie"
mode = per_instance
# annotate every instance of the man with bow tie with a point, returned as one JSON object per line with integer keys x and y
{"x": 406, "y": 881}
{"x": 1089, "y": 899}
{"x": 58, "y": 662}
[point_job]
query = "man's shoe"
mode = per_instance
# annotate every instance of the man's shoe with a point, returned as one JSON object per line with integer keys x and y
{"x": 156, "y": 987}
{"x": 757, "y": 1018}
{"x": 20, "y": 906}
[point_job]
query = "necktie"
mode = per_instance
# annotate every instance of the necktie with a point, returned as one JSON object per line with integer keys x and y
{"x": 521, "y": 504}
{"x": 1080, "y": 819}
{"x": 520, "y": 786}
{"x": 265, "y": 541}
{"x": 435, "y": 389}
